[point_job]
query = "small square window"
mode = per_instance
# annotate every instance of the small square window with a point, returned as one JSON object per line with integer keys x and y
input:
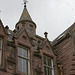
{"x": 31, "y": 27}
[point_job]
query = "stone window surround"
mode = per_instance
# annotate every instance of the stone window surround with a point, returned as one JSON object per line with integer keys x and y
{"x": 3, "y": 65}
{"x": 1, "y": 44}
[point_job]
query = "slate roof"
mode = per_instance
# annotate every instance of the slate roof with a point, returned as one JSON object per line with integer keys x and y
{"x": 25, "y": 15}
{"x": 70, "y": 30}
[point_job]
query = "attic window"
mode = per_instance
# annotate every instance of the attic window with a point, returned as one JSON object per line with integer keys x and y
{"x": 31, "y": 27}
{"x": 35, "y": 45}
{"x": 18, "y": 28}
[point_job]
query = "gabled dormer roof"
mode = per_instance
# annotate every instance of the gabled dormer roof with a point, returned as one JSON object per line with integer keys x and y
{"x": 25, "y": 15}
{"x": 2, "y": 27}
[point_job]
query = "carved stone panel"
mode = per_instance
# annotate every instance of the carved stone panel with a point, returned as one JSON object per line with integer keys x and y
{"x": 10, "y": 67}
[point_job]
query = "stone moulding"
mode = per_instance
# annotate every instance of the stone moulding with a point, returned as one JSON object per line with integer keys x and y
{"x": 37, "y": 53}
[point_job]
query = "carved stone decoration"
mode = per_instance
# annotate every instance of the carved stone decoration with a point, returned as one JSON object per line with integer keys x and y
{"x": 12, "y": 53}
{"x": 47, "y": 47}
{"x": 37, "y": 64}
{"x": 24, "y": 37}
{"x": 11, "y": 44}
{"x": 10, "y": 66}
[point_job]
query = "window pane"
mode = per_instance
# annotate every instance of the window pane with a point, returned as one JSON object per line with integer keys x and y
{"x": 19, "y": 64}
{"x": 28, "y": 67}
{"x": 19, "y": 51}
{"x": 50, "y": 70}
{"x": 0, "y": 43}
{"x": 44, "y": 60}
{"x": 31, "y": 27}
{"x": 23, "y": 60}
{"x": 49, "y": 62}
{"x": 28, "y": 54}
{"x": 45, "y": 70}
{"x": 0, "y": 56}
{"x": 24, "y": 69}
{"x": 25, "y": 54}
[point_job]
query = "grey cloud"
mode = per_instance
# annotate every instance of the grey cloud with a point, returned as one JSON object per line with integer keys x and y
{"x": 53, "y": 16}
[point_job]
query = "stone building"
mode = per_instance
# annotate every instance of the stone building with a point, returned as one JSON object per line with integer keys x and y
{"x": 23, "y": 52}
{"x": 64, "y": 49}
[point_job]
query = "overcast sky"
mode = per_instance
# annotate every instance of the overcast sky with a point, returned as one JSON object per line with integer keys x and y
{"x": 53, "y": 16}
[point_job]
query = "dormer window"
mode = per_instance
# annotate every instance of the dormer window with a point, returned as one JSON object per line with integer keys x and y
{"x": 48, "y": 65}
{"x": 31, "y": 27}
{"x": 1, "y": 42}
{"x": 23, "y": 60}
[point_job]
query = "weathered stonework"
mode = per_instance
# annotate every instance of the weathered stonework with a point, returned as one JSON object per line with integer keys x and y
{"x": 61, "y": 50}
{"x": 24, "y": 34}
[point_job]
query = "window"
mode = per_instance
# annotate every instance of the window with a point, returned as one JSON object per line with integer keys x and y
{"x": 48, "y": 65}
{"x": 0, "y": 48}
{"x": 23, "y": 60}
{"x": 31, "y": 28}
{"x": 18, "y": 28}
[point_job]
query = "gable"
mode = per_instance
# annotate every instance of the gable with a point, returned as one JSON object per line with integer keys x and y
{"x": 2, "y": 31}
{"x": 23, "y": 37}
{"x": 47, "y": 49}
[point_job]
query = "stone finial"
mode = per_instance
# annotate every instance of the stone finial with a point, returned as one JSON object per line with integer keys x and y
{"x": 6, "y": 27}
{"x": 45, "y": 34}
